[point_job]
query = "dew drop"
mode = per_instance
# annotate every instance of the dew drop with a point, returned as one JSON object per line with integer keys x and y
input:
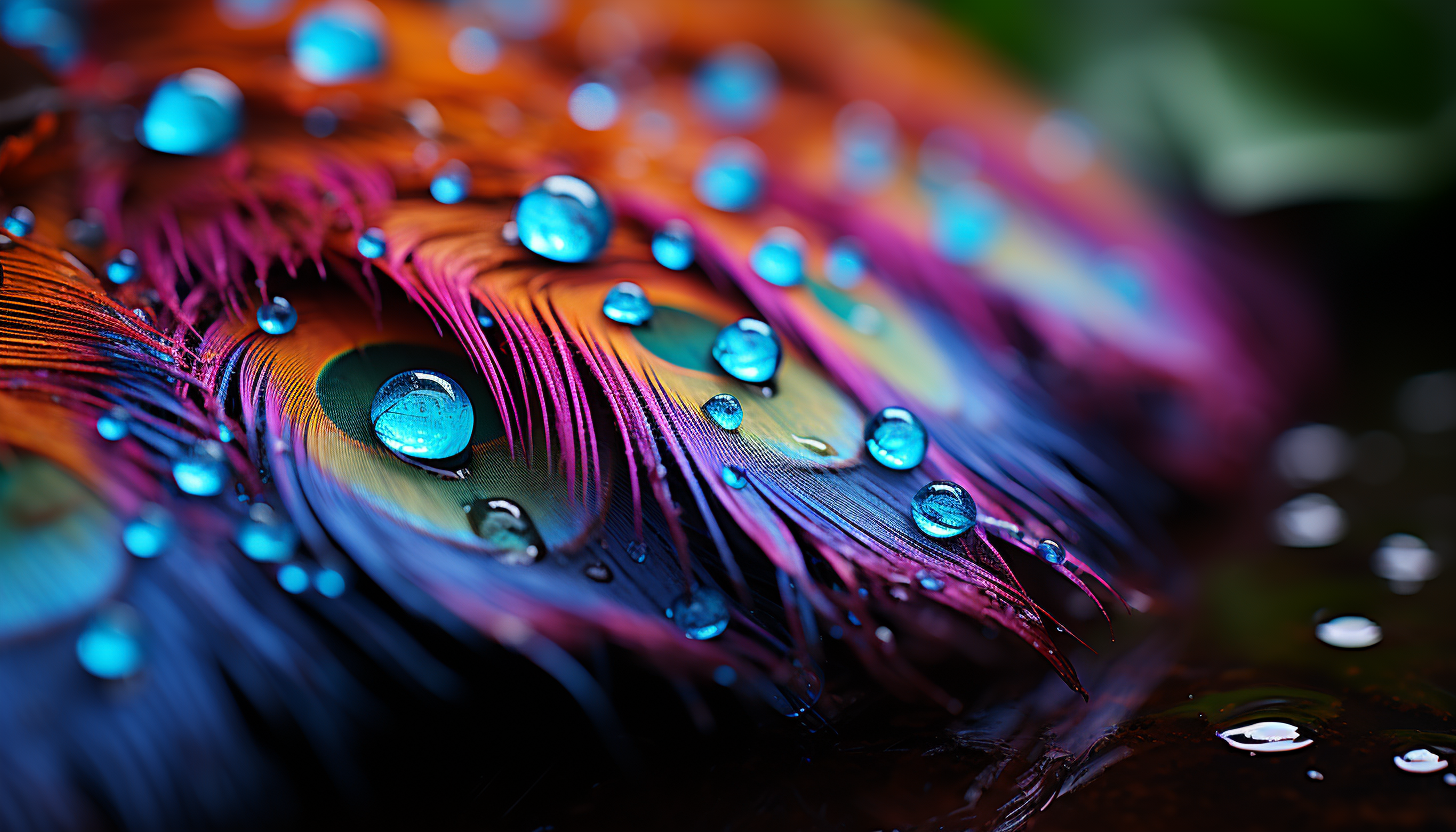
{"x": 474, "y": 50}
{"x": 124, "y": 267}
{"x": 965, "y": 220}
{"x": 277, "y": 317}
{"x": 329, "y": 583}
{"x": 593, "y": 106}
{"x": 626, "y": 303}
{"x": 637, "y": 551}
{"x": 202, "y": 469}
{"x": 929, "y": 582}
{"x": 1421, "y": 761}
{"x": 423, "y": 414}
{"x": 730, "y": 177}
{"x": 1051, "y": 552}
{"x": 1314, "y": 775}
{"x": 265, "y": 537}
{"x": 896, "y": 439}
{"x": 1449, "y": 779}
{"x": 725, "y": 675}
{"x": 701, "y": 613}
{"x": 884, "y": 634}
{"x": 224, "y": 433}
{"x": 451, "y": 183}
{"x": 734, "y": 476}
{"x": 114, "y": 424}
{"x": 748, "y": 350}
{"x": 110, "y": 647}
{"x": 725, "y": 411}
{"x": 507, "y": 531}
{"x": 1264, "y": 737}
{"x": 148, "y": 533}
{"x": 672, "y": 245}
{"x": 192, "y": 114}
{"x": 736, "y": 85}
{"x": 943, "y": 509}
{"x": 20, "y": 221}
{"x": 564, "y": 219}
{"x": 1352, "y": 632}
{"x": 813, "y": 444}
{"x": 845, "y": 263}
{"x": 1406, "y": 562}
{"x": 1309, "y": 521}
{"x": 293, "y": 578}
{"x": 599, "y": 572}
{"x": 372, "y": 244}
{"x": 338, "y": 42}
{"x": 482, "y": 314}
{"x": 778, "y": 257}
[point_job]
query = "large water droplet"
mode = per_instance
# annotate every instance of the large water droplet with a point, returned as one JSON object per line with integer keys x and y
{"x": 701, "y": 613}
{"x": 965, "y": 219}
{"x": 451, "y": 183}
{"x": 564, "y": 219}
{"x": 192, "y": 114}
{"x": 507, "y": 531}
{"x": 123, "y": 267}
{"x": 672, "y": 245}
{"x": 865, "y": 141}
{"x": 748, "y": 350}
{"x": 845, "y": 263}
{"x": 896, "y": 439}
{"x": 202, "y": 470}
{"x": 53, "y": 28}
{"x": 943, "y": 509}
{"x": 114, "y": 424}
{"x": 1351, "y": 632}
{"x": 1309, "y": 521}
{"x": 593, "y": 106}
{"x": 778, "y": 257}
{"x": 1051, "y": 552}
{"x": 266, "y": 537}
{"x": 147, "y": 534}
{"x": 1265, "y": 737}
{"x": 372, "y": 243}
{"x": 277, "y": 317}
{"x": 725, "y": 411}
{"x": 110, "y": 647}
{"x": 338, "y": 42}
{"x": 730, "y": 177}
{"x": 734, "y": 476}
{"x": 1421, "y": 761}
{"x": 423, "y": 414}
{"x": 626, "y": 303}
{"x": 736, "y": 85}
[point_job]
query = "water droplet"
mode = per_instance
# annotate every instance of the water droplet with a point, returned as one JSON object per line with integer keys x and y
{"x": 202, "y": 470}
{"x": 564, "y": 219}
{"x": 51, "y": 27}
{"x": 626, "y": 303}
{"x": 423, "y": 414}
{"x": 451, "y": 183}
{"x": 507, "y": 531}
{"x": 1312, "y": 454}
{"x": 372, "y": 243}
{"x": 293, "y": 578}
{"x": 866, "y": 145}
{"x": 147, "y": 534}
{"x": 734, "y": 476}
{"x": 593, "y": 106}
{"x": 854, "y": 619}
{"x": 338, "y": 42}
{"x": 748, "y": 350}
{"x": 884, "y": 634}
{"x": 1421, "y": 761}
{"x": 329, "y": 583}
{"x": 277, "y": 317}
{"x": 736, "y": 85}
{"x": 701, "y": 613}
{"x": 929, "y": 582}
{"x": 725, "y": 675}
{"x": 1406, "y": 562}
{"x": 964, "y": 221}
{"x": 224, "y": 433}
{"x": 114, "y": 424}
{"x": 1449, "y": 779}
{"x": 778, "y": 257}
{"x": 1309, "y": 521}
{"x": 110, "y": 647}
{"x": 813, "y": 444}
{"x": 672, "y": 245}
{"x": 599, "y": 572}
{"x": 265, "y": 537}
{"x": 20, "y": 221}
{"x": 474, "y": 50}
{"x": 845, "y": 263}
{"x": 896, "y": 439}
{"x": 1051, "y": 552}
{"x": 725, "y": 411}
{"x": 1351, "y": 632}
{"x": 1314, "y": 775}
{"x": 943, "y": 509}
{"x": 123, "y": 267}
{"x": 1264, "y": 737}
{"x": 192, "y": 114}
{"x": 320, "y": 122}
{"x": 637, "y": 551}
{"x": 730, "y": 177}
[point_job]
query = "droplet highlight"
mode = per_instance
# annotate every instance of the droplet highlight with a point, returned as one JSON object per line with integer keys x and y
{"x": 148, "y": 533}
{"x": 293, "y": 578}
{"x": 748, "y": 350}
{"x": 896, "y": 439}
{"x": 265, "y": 537}
{"x": 701, "y": 613}
{"x": 423, "y": 414}
{"x": 372, "y": 244}
{"x": 1421, "y": 761}
{"x": 1051, "y": 552}
{"x": 124, "y": 267}
{"x": 599, "y": 572}
{"x": 114, "y": 424}
{"x": 1350, "y": 632}
{"x": 943, "y": 509}
{"x": 564, "y": 219}
{"x": 725, "y": 411}
{"x": 929, "y": 582}
{"x": 734, "y": 476}
{"x": 110, "y": 647}
{"x": 451, "y": 183}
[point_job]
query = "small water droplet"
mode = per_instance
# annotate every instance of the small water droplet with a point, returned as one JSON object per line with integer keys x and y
{"x": 778, "y": 256}
{"x": 451, "y": 183}
{"x": 701, "y": 613}
{"x": 123, "y": 267}
{"x": 1309, "y": 521}
{"x": 192, "y": 114}
{"x": 114, "y": 424}
{"x": 1051, "y": 552}
{"x": 1406, "y": 562}
{"x": 507, "y": 531}
{"x": 1314, "y": 775}
{"x": 265, "y": 537}
{"x": 593, "y": 106}
{"x": 943, "y": 509}
{"x": 965, "y": 220}
{"x": 626, "y": 303}
{"x": 320, "y": 122}
{"x": 202, "y": 470}
{"x": 1449, "y": 779}
{"x": 372, "y": 243}
{"x": 510, "y": 233}
{"x": 673, "y": 244}
{"x": 1421, "y": 761}
{"x": 423, "y": 414}
{"x": 813, "y": 444}
{"x": 338, "y": 42}
{"x": 725, "y": 411}
{"x": 224, "y": 433}
{"x": 845, "y": 263}
{"x": 147, "y": 534}
{"x": 564, "y": 219}
{"x": 329, "y": 583}
{"x": 474, "y": 50}
{"x": 866, "y": 145}
{"x": 637, "y": 551}
{"x": 110, "y": 647}
{"x": 736, "y": 85}
{"x": 277, "y": 317}
{"x": 748, "y": 350}
{"x": 1264, "y": 737}
{"x": 599, "y": 572}
{"x": 896, "y": 439}
{"x": 293, "y": 578}
{"x": 20, "y": 221}
{"x": 929, "y": 582}
{"x": 734, "y": 476}
{"x": 884, "y": 634}
{"x": 730, "y": 177}
{"x": 1351, "y": 632}
{"x": 725, "y": 675}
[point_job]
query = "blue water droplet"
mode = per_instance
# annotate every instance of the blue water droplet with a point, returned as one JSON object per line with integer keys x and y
{"x": 672, "y": 245}
{"x": 20, "y": 221}
{"x": 845, "y": 263}
{"x": 637, "y": 551}
{"x": 896, "y": 438}
{"x": 482, "y": 314}
{"x": 123, "y": 267}
{"x": 338, "y": 42}
{"x": 1051, "y": 552}
{"x": 730, "y": 177}
{"x": 778, "y": 257}
{"x": 192, "y": 114}
{"x": 451, "y": 183}
{"x": 701, "y": 613}
{"x": 474, "y": 50}
{"x": 202, "y": 470}
{"x": 965, "y": 220}
{"x": 51, "y": 27}
{"x": 627, "y": 304}
{"x": 110, "y": 647}
{"x": 854, "y": 619}
{"x": 224, "y": 433}
{"x": 507, "y": 531}
{"x": 320, "y": 122}
{"x": 564, "y": 219}
{"x": 734, "y": 476}
{"x": 943, "y": 509}
{"x": 866, "y": 146}
{"x": 148, "y": 533}
{"x": 748, "y": 350}
{"x": 593, "y": 106}
{"x": 293, "y": 578}
{"x": 114, "y": 424}
{"x": 372, "y": 243}
{"x": 929, "y": 582}
{"x": 277, "y": 317}
{"x": 725, "y": 675}
{"x": 736, "y": 86}
{"x": 423, "y": 414}
{"x": 724, "y": 410}
{"x": 329, "y": 583}
{"x": 265, "y": 537}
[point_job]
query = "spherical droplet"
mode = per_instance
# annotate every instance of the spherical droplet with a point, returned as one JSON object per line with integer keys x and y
{"x": 1309, "y": 521}
{"x": 627, "y": 304}
{"x": 338, "y": 42}
{"x": 943, "y": 509}
{"x": 474, "y": 50}
{"x": 965, "y": 220}
{"x": 1265, "y": 737}
{"x": 748, "y": 350}
{"x": 224, "y": 433}
{"x": 1314, "y": 775}
{"x": 482, "y": 314}
{"x": 1421, "y": 761}
{"x": 725, "y": 675}
{"x": 672, "y": 245}
{"x": 593, "y": 106}
{"x": 637, "y": 551}
{"x": 329, "y": 583}
{"x": 564, "y": 219}
{"x": 778, "y": 257}
{"x": 192, "y": 114}
{"x": 507, "y": 531}
{"x": 451, "y": 183}
{"x": 736, "y": 85}
{"x": 734, "y": 476}
{"x": 265, "y": 537}
{"x": 929, "y": 582}
{"x": 701, "y": 613}
{"x": 277, "y": 317}
{"x": 123, "y": 267}
{"x": 1351, "y": 632}
{"x": 423, "y": 414}
{"x": 372, "y": 244}
{"x": 725, "y": 411}
{"x": 896, "y": 439}
{"x": 20, "y": 221}
{"x": 293, "y": 578}
{"x": 599, "y": 572}
{"x": 202, "y": 470}
{"x": 1051, "y": 552}
{"x": 110, "y": 647}
{"x": 148, "y": 533}
{"x": 845, "y": 263}
{"x": 730, "y": 177}
{"x": 114, "y": 424}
